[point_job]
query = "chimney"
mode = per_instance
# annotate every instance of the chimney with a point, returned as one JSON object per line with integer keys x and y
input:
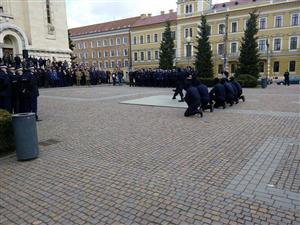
{"x": 162, "y": 12}
{"x": 149, "y": 14}
{"x": 171, "y": 11}
{"x": 143, "y": 16}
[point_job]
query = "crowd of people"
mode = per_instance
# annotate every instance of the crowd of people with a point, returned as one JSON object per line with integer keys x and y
{"x": 198, "y": 98}
{"x": 20, "y": 81}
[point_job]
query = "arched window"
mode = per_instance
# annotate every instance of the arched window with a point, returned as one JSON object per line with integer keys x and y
{"x": 49, "y": 19}
{"x": 191, "y": 8}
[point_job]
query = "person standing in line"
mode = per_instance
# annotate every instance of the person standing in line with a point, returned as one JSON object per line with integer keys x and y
{"x": 5, "y": 89}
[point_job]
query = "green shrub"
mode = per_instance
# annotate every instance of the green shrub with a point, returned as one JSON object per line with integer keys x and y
{"x": 247, "y": 81}
{"x": 207, "y": 81}
{"x": 6, "y": 133}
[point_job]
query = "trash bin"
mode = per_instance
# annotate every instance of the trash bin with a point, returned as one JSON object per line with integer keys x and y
{"x": 26, "y": 140}
{"x": 264, "y": 82}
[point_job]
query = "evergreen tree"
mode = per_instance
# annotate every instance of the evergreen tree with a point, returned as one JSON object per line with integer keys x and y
{"x": 203, "y": 62}
{"x": 71, "y": 44}
{"x": 249, "y": 57}
{"x": 166, "y": 54}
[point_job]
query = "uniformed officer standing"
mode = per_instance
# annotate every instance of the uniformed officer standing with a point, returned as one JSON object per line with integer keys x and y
{"x": 14, "y": 80}
{"x": 24, "y": 91}
{"x": 179, "y": 85}
{"x": 5, "y": 89}
{"x": 34, "y": 94}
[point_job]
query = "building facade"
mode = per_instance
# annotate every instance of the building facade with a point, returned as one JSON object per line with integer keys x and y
{"x": 278, "y": 36}
{"x": 34, "y": 28}
{"x": 105, "y": 46}
{"x": 146, "y": 36}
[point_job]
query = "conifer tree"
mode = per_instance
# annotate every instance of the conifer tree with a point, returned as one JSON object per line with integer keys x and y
{"x": 166, "y": 54}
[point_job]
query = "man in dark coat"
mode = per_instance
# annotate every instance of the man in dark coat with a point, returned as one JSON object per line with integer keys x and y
{"x": 179, "y": 85}
{"x": 5, "y": 89}
{"x": 229, "y": 92}
{"x": 238, "y": 88}
{"x": 204, "y": 95}
{"x": 34, "y": 93}
{"x": 15, "y": 99}
{"x": 217, "y": 94}
{"x": 193, "y": 100}
{"x": 24, "y": 91}
{"x": 131, "y": 76}
{"x": 287, "y": 78}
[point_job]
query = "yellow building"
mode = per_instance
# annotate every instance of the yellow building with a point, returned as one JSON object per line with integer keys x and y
{"x": 278, "y": 36}
{"x": 146, "y": 36}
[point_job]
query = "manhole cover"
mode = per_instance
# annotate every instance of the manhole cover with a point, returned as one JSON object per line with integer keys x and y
{"x": 48, "y": 142}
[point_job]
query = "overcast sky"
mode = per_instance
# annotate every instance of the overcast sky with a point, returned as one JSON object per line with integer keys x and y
{"x": 86, "y": 12}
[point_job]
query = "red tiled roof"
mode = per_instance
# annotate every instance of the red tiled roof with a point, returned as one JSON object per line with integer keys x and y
{"x": 236, "y": 3}
{"x": 149, "y": 20}
{"x": 103, "y": 27}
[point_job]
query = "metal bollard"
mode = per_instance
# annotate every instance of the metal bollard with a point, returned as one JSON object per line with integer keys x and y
{"x": 26, "y": 140}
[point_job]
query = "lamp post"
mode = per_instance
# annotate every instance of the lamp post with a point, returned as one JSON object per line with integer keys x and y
{"x": 268, "y": 59}
{"x": 188, "y": 50}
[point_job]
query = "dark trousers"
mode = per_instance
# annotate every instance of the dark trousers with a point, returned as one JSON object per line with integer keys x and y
{"x": 287, "y": 81}
{"x": 114, "y": 81}
{"x": 5, "y": 103}
{"x": 15, "y": 105}
{"x": 131, "y": 84}
{"x": 192, "y": 110}
{"x": 205, "y": 104}
{"x": 178, "y": 91}
{"x": 219, "y": 102}
{"x": 25, "y": 105}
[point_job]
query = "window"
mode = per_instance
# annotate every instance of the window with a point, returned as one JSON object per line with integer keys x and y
{"x": 295, "y": 19}
{"x": 261, "y": 67}
{"x": 100, "y": 65}
{"x": 277, "y": 44}
{"x": 105, "y": 42}
{"x": 220, "y": 49}
{"x": 222, "y": 28}
{"x": 99, "y": 43}
{"x": 49, "y": 19}
{"x": 119, "y": 63}
{"x": 148, "y": 38}
{"x": 293, "y": 43}
{"x": 173, "y": 35}
{"x": 209, "y": 30}
{"x": 262, "y": 45}
{"x": 125, "y": 40}
{"x": 118, "y": 52}
{"x": 92, "y": 44}
{"x": 118, "y": 41}
{"x": 149, "y": 55}
{"x": 141, "y": 39}
{"x": 156, "y": 55}
{"x": 105, "y": 54}
{"x": 135, "y": 56}
{"x": 262, "y": 23}
{"x": 276, "y": 67}
{"x": 134, "y": 40}
{"x": 106, "y": 64}
{"x": 112, "y": 53}
{"x": 112, "y": 64}
{"x": 292, "y": 66}
{"x": 188, "y": 50}
{"x": 112, "y": 42}
{"x": 233, "y": 68}
{"x": 220, "y": 68}
{"x": 99, "y": 54}
{"x": 234, "y": 27}
{"x": 94, "y": 55}
{"x": 278, "y": 21}
{"x": 189, "y": 32}
{"x": 125, "y": 52}
{"x": 1, "y": 9}
{"x": 126, "y": 64}
{"x": 188, "y": 8}
{"x": 233, "y": 47}
{"x": 142, "y": 56}
{"x": 155, "y": 38}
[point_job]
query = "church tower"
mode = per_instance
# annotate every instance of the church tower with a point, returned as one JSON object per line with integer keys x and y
{"x": 186, "y": 8}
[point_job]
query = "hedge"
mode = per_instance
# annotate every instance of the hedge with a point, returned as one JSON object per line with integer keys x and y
{"x": 247, "y": 81}
{"x": 6, "y": 133}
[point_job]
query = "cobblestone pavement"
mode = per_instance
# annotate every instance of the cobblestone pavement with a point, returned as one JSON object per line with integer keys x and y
{"x": 102, "y": 162}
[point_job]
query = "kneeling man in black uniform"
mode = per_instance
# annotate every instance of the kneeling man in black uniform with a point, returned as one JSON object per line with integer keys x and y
{"x": 193, "y": 100}
{"x": 204, "y": 95}
{"x": 238, "y": 88}
{"x": 217, "y": 94}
